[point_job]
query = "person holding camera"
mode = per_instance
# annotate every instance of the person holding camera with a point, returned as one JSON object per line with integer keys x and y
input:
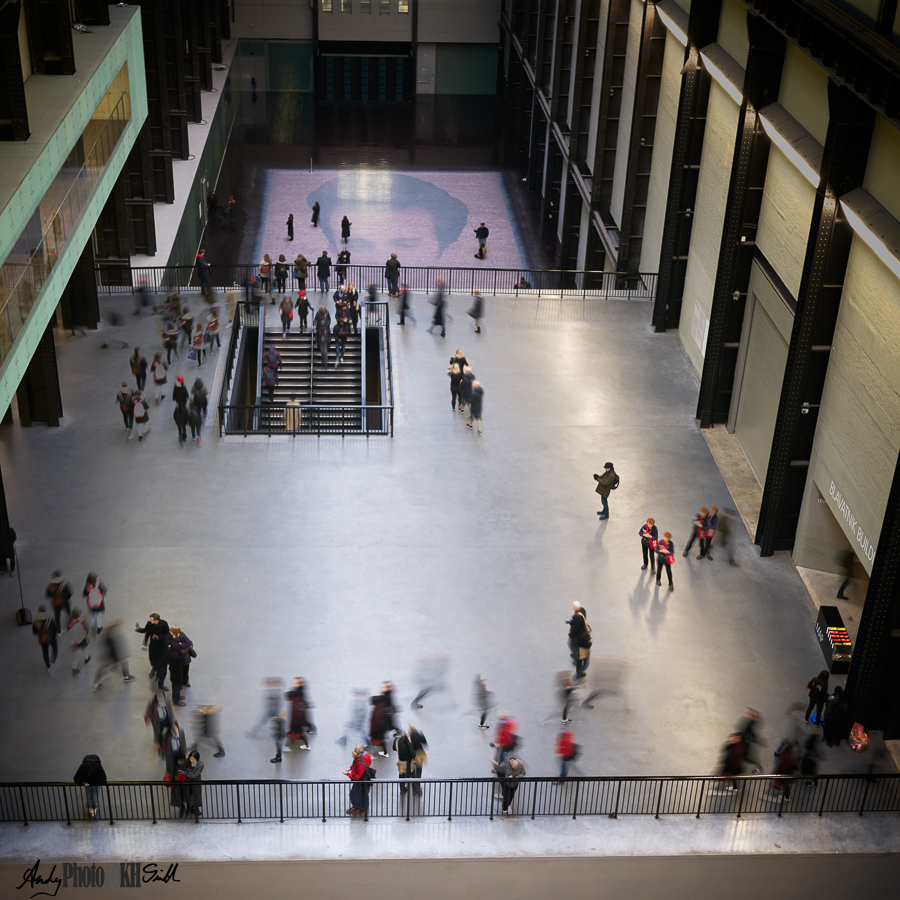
{"x": 606, "y": 482}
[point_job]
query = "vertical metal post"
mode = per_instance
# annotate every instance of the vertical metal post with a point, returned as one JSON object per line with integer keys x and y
{"x": 281, "y": 800}
{"x": 109, "y": 802}
{"x": 534, "y": 799}
{"x": 152, "y": 805}
{"x": 615, "y": 813}
{"x": 238, "y": 792}
{"x": 824, "y": 794}
{"x": 862, "y": 805}
{"x": 66, "y": 802}
{"x": 490, "y": 792}
{"x": 323, "y": 801}
{"x": 741, "y": 799}
{"x": 659, "y": 799}
{"x": 575, "y": 804}
{"x": 700, "y": 800}
{"x": 22, "y": 801}
{"x": 450, "y": 804}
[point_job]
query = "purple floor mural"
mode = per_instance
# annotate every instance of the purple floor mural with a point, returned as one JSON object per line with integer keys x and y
{"x": 427, "y": 219}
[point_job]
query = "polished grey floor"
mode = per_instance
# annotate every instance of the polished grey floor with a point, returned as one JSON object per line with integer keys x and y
{"x": 350, "y": 561}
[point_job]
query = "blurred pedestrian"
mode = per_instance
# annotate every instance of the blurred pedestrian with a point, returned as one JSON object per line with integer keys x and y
{"x": 186, "y": 320}
{"x": 341, "y": 331}
{"x": 94, "y": 593}
{"x": 138, "y": 368}
{"x": 665, "y": 556}
{"x": 278, "y": 730}
{"x": 212, "y": 328}
{"x": 698, "y": 530}
{"x": 746, "y": 727}
{"x": 439, "y": 319}
{"x": 91, "y": 774}
{"x": 712, "y": 524}
{"x": 195, "y": 421}
{"x": 125, "y": 399}
{"x": 509, "y": 774}
{"x": 287, "y": 313}
{"x": 788, "y": 757}
{"x": 606, "y": 482}
{"x": 345, "y": 229}
{"x": 180, "y": 415}
{"x": 303, "y": 308}
{"x": 567, "y": 690}
{"x": 290, "y": 226}
{"x": 818, "y": 694}
{"x": 141, "y": 415}
{"x": 734, "y": 755}
{"x": 293, "y": 415}
{"x": 465, "y": 387}
{"x": 110, "y": 650}
{"x": 649, "y": 542}
{"x": 159, "y": 370}
{"x": 158, "y": 716}
{"x": 46, "y": 632}
{"x": 207, "y": 724}
{"x": 506, "y": 738}
{"x": 809, "y": 763}
{"x": 476, "y": 404}
{"x": 155, "y": 632}
{"x": 174, "y": 747}
{"x": 382, "y": 719}
{"x": 726, "y": 541}
{"x": 316, "y": 210}
{"x": 476, "y": 310}
{"x": 299, "y": 724}
{"x": 272, "y": 691}
{"x": 356, "y": 718}
{"x": 359, "y": 773}
{"x": 170, "y": 340}
{"x": 845, "y": 561}
{"x": 484, "y": 700}
{"x": 353, "y": 307}
{"x": 59, "y": 594}
{"x": 197, "y": 347}
{"x": 179, "y": 647}
{"x": 405, "y": 305}
{"x": 566, "y": 750}
{"x": 410, "y": 749}
{"x": 343, "y": 260}
{"x": 837, "y": 719}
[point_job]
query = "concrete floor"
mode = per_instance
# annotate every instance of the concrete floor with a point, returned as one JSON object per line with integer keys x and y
{"x": 348, "y": 561}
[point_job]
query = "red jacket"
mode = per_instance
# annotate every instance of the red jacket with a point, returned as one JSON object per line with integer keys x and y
{"x": 565, "y": 745}
{"x": 506, "y": 733}
{"x": 357, "y": 770}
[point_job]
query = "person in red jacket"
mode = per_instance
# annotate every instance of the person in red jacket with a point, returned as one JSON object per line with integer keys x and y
{"x": 359, "y": 773}
{"x": 665, "y": 556}
{"x": 566, "y": 749}
{"x": 649, "y": 539}
{"x": 505, "y": 737}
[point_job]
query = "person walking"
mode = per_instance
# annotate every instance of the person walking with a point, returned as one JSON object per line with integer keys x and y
{"x": 476, "y": 404}
{"x": 787, "y": 754}
{"x": 382, "y": 719}
{"x": 232, "y": 204}
{"x": 59, "y": 594}
{"x": 577, "y": 627}
{"x": 299, "y": 724}
{"x": 281, "y": 274}
{"x": 195, "y": 421}
{"x": 202, "y": 267}
{"x": 405, "y": 307}
{"x": 159, "y": 370}
{"x": 481, "y": 235}
{"x": 180, "y": 394}
{"x": 665, "y": 556}
{"x": 509, "y": 774}
{"x": 46, "y": 631}
{"x": 356, "y": 718}
{"x": 273, "y": 688}
{"x": 726, "y": 541}
{"x": 837, "y": 719}
{"x": 734, "y": 755}
{"x": 316, "y": 209}
{"x": 818, "y": 694}
{"x": 287, "y": 313}
{"x": 170, "y": 340}
{"x": 278, "y": 730}
{"x": 265, "y": 273}
{"x": 476, "y": 310}
{"x": 322, "y": 327}
{"x": 206, "y": 725}
{"x": 343, "y": 260}
{"x": 341, "y": 330}
{"x": 698, "y": 530}
{"x": 323, "y": 271}
{"x": 606, "y": 482}
{"x": 303, "y": 308}
{"x": 91, "y": 774}
{"x": 353, "y": 307}
{"x": 359, "y": 773}
{"x": 111, "y": 654}
{"x": 440, "y": 313}
{"x": 845, "y": 561}
{"x": 179, "y": 647}
{"x": 301, "y": 272}
{"x": 345, "y": 229}
{"x": 186, "y": 320}
{"x": 200, "y": 397}
{"x": 455, "y": 374}
{"x": 649, "y": 542}
{"x": 392, "y": 275}
{"x": 411, "y": 757}
{"x": 809, "y": 762}
{"x": 465, "y": 387}
{"x": 197, "y": 346}
{"x": 141, "y": 415}
{"x": 712, "y": 523}
{"x": 125, "y": 399}
{"x": 506, "y": 738}
{"x": 94, "y": 594}
{"x": 138, "y": 368}
{"x": 566, "y": 750}
{"x": 290, "y": 226}
{"x": 484, "y": 701}
{"x": 155, "y": 632}
{"x": 180, "y": 415}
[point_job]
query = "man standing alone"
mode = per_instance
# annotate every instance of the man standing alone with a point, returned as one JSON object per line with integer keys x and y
{"x": 605, "y": 483}
{"x": 481, "y": 233}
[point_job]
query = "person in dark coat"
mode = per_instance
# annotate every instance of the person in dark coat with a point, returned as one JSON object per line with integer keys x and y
{"x": 46, "y": 631}
{"x": 649, "y": 535}
{"x": 440, "y": 313}
{"x": 158, "y": 716}
{"x": 787, "y": 755}
{"x": 322, "y": 328}
{"x": 818, "y": 694}
{"x": 605, "y": 484}
{"x": 180, "y": 415}
{"x": 139, "y": 367}
{"x": 698, "y": 530}
{"x": 191, "y": 770}
{"x": 345, "y": 229}
{"x": 303, "y": 309}
{"x": 91, "y": 774}
{"x": 734, "y": 755}
{"x": 323, "y": 271}
{"x": 382, "y": 719}
{"x": 125, "y": 399}
{"x": 809, "y": 763}
{"x": 353, "y": 307}
{"x": 475, "y": 404}
{"x": 392, "y": 275}
{"x": 179, "y": 647}
{"x": 410, "y": 750}
{"x": 455, "y": 374}
{"x": 316, "y": 209}
{"x": 299, "y": 722}
{"x": 155, "y": 632}
{"x": 202, "y": 267}
{"x": 509, "y": 772}
{"x": 837, "y": 719}
{"x": 476, "y": 310}
{"x": 173, "y": 750}
{"x": 180, "y": 394}
{"x": 343, "y": 260}
{"x": 290, "y": 226}
{"x": 577, "y": 627}
{"x": 301, "y": 271}
{"x": 60, "y": 595}
{"x": 465, "y": 387}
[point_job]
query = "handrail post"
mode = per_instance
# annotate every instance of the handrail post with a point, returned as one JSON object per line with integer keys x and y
{"x": 490, "y": 792}
{"x": 109, "y": 802}
{"x": 323, "y": 801}
{"x": 700, "y": 801}
{"x": 450, "y": 804}
{"x": 824, "y": 794}
{"x": 741, "y": 799}
{"x": 408, "y": 795}
{"x": 781, "y": 805}
{"x": 615, "y": 813}
{"x": 238, "y": 792}
{"x": 575, "y": 804}
{"x": 66, "y": 802}
{"x": 534, "y": 799}
{"x": 659, "y": 799}
{"x": 281, "y": 800}
{"x": 865, "y": 795}
{"x": 24, "y": 810}
{"x": 152, "y": 805}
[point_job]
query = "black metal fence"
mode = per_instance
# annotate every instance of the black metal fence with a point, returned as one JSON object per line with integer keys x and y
{"x": 536, "y": 283}
{"x": 238, "y": 801}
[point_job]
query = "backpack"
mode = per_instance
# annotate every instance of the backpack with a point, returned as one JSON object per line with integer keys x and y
{"x": 369, "y": 774}
{"x": 264, "y": 269}
{"x": 95, "y": 597}
{"x": 859, "y": 740}
{"x": 159, "y": 372}
{"x": 139, "y": 409}
{"x": 614, "y": 486}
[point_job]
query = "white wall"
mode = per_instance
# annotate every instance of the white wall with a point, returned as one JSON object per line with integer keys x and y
{"x": 289, "y": 19}
{"x": 709, "y": 215}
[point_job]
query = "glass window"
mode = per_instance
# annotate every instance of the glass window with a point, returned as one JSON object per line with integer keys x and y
{"x": 403, "y": 6}
{"x": 365, "y": 6}
{"x": 326, "y": 5}
{"x": 384, "y": 7}
{"x": 346, "y": 6}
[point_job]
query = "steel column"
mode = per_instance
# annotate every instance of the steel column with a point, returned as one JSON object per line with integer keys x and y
{"x": 748, "y": 175}
{"x": 846, "y": 152}
{"x": 38, "y": 394}
{"x": 13, "y": 111}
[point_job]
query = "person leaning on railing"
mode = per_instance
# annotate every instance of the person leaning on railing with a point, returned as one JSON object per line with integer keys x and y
{"x": 359, "y": 773}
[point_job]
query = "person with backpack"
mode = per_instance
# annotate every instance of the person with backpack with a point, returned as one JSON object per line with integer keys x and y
{"x": 341, "y": 331}
{"x": 505, "y": 737}
{"x": 698, "y": 530}
{"x": 411, "y": 757}
{"x": 94, "y": 594}
{"x": 90, "y": 774}
{"x": 78, "y": 639}
{"x": 138, "y": 368}
{"x": 141, "y": 415}
{"x": 200, "y": 397}
{"x": 359, "y": 773}
{"x": 606, "y": 482}
{"x": 818, "y": 694}
{"x": 577, "y": 626}
{"x": 125, "y": 399}
{"x": 649, "y": 536}
{"x": 665, "y": 556}
{"x": 46, "y": 633}
{"x": 567, "y": 751}
{"x": 303, "y": 307}
{"x": 281, "y": 274}
{"x": 59, "y": 594}
{"x": 265, "y": 274}
{"x": 287, "y": 313}
{"x": 159, "y": 370}
{"x": 301, "y": 272}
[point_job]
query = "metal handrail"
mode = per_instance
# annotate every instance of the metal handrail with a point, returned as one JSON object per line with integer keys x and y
{"x": 611, "y": 796}
{"x": 559, "y": 283}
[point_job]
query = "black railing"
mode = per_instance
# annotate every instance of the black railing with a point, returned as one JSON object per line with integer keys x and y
{"x": 115, "y": 278}
{"x": 245, "y": 313}
{"x": 578, "y": 796}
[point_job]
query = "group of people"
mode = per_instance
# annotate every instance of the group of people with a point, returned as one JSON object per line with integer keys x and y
{"x": 465, "y": 390}
{"x": 704, "y": 528}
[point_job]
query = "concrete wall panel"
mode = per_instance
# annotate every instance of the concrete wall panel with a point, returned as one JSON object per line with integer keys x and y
{"x": 804, "y": 92}
{"x": 732, "y": 36}
{"x": 274, "y": 19}
{"x": 459, "y": 21}
{"x": 881, "y": 179}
